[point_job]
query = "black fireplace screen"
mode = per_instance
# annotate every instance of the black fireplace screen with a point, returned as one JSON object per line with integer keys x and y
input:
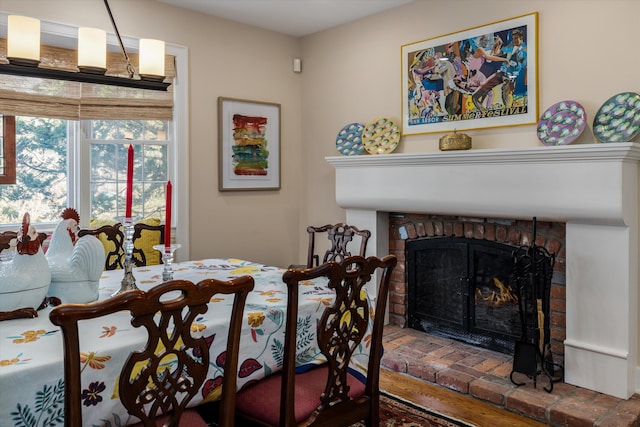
{"x": 461, "y": 288}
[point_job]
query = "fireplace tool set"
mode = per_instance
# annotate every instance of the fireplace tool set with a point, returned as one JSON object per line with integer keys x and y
{"x": 531, "y": 281}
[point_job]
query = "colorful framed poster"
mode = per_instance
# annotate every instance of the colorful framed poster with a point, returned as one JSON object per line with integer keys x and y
{"x": 248, "y": 145}
{"x": 482, "y": 77}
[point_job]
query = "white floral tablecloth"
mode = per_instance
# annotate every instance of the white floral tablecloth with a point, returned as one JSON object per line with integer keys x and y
{"x": 31, "y": 353}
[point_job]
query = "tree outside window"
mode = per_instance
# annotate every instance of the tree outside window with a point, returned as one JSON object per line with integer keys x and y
{"x": 110, "y": 141}
{"x": 41, "y": 172}
{"x": 44, "y": 166}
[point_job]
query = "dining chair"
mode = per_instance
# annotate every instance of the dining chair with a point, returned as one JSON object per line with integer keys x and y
{"x": 145, "y": 236}
{"x": 112, "y": 239}
{"x": 340, "y": 237}
{"x": 167, "y": 312}
{"x": 5, "y": 239}
{"x": 330, "y": 394}
{"x": 7, "y": 236}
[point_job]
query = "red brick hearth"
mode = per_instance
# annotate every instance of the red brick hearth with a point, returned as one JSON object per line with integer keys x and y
{"x": 484, "y": 375}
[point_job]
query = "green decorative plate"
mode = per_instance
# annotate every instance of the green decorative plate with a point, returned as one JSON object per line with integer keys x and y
{"x": 618, "y": 120}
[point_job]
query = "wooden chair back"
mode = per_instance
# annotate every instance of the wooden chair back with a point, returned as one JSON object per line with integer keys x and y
{"x": 5, "y": 239}
{"x": 329, "y": 395}
{"x": 114, "y": 254}
{"x": 340, "y": 236}
{"x": 140, "y": 257}
{"x": 154, "y": 310}
{"x": 7, "y": 236}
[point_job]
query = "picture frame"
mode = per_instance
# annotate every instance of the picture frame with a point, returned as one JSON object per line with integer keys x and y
{"x": 248, "y": 145}
{"x": 483, "y": 77}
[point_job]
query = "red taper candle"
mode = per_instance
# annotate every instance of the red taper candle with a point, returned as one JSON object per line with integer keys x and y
{"x": 167, "y": 221}
{"x": 129, "y": 182}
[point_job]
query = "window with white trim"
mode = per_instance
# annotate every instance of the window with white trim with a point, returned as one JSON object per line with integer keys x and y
{"x": 52, "y": 170}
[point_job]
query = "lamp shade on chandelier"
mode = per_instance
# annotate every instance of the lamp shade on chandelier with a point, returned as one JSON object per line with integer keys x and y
{"x": 151, "y": 59}
{"x": 92, "y": 50}
{"x": 23, "y": 41}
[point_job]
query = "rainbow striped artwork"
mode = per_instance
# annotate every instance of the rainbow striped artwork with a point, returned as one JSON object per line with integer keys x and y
{"x": 250, "y": 154}
{"x": 249, "y": 145}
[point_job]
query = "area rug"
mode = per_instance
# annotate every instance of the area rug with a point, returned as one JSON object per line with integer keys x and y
{"x": 395, "y": 412}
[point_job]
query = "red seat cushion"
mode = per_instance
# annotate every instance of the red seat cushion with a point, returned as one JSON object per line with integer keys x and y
{"x": 189, "y": 418}
{"x": 262, "y": 399}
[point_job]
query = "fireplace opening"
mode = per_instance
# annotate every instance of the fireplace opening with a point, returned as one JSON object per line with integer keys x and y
{"x": 461, "y": 288}
{"x": 418, "y": 302}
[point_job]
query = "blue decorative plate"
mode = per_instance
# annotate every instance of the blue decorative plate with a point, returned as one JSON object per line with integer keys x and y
{"x": 618, "y": 120}
{"x": 562, "y": 123}
{"x": 349, "y": 140}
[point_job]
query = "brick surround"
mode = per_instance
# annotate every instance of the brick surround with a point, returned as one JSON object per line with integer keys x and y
{"x": 550, "y": 235}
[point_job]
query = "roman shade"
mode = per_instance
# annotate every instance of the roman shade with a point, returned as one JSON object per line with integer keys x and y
{"x": 39, "y": 97}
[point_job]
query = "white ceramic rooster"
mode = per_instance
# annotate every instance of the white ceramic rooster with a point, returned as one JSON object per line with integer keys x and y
{"x": 76, "y": 265}
{"x": 24, "y": 280}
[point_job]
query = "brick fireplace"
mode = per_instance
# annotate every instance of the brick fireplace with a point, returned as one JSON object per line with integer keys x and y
{"x": 592, "y": 189}
{"x": 405, "y": 227}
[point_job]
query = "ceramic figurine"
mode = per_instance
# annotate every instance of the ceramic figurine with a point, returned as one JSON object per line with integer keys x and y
{"x": 76, "y": 264}
{"x": 25, "y": 279}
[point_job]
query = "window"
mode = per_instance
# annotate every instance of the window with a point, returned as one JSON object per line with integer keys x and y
{"x": 109, "y": 141}
{"x": 41, "y": 172}
{"x": 51, "y": 172}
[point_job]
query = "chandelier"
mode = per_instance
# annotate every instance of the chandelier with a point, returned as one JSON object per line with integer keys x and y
{"x": 23, "y": 56}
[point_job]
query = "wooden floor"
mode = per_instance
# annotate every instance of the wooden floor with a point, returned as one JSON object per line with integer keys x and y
{"x": 449, "y": 403}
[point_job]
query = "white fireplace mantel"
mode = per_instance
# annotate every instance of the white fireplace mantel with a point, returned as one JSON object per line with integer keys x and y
{"x": 593, "y": 188}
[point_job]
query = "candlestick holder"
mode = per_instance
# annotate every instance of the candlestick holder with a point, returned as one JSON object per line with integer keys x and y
{"x": 167, "y": 259}
{"x": 128, "y": 281}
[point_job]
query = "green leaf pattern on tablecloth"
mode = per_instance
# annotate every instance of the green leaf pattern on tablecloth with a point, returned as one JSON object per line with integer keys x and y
{"x": 305, "y": 338}
{"x": 49, "y": 408}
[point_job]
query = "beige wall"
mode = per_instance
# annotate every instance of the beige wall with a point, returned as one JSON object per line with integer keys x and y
{"x": 350, "y": 73}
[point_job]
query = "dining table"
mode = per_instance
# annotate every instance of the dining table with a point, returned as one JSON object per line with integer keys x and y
{"x": 31, "y": 350}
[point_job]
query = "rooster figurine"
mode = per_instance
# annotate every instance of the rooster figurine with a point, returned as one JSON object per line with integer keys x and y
{"x": 24, "y": 280}
{"x": 75, "y": 264}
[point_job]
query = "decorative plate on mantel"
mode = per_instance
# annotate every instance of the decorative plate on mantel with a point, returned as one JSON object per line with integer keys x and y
{"x": 380, "y": 136}
{"x": 349, "y": 140}
{"x": 618, "y": 120}
{"x": 562, "y": 123}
